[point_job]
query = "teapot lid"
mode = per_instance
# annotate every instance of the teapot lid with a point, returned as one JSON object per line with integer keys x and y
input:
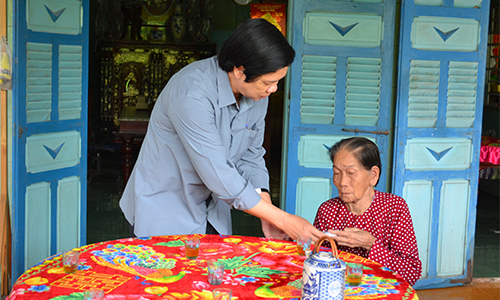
{"x": 324, "y": 257}
{"x": 324, "y": 260}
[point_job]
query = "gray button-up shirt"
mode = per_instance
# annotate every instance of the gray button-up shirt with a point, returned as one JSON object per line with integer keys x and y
{"x": 199, "y": 144}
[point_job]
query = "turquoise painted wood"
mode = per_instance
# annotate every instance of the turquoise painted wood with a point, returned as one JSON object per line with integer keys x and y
{"x": 68, "y": 206}
{"x": 50, "y": 136}
{"x": 418, "y": 194}
{"x": 38, "y": 216}
{"x": 340, "y": 86}
{"x": 54, "y": 16}
{"x": 438, "y": 130}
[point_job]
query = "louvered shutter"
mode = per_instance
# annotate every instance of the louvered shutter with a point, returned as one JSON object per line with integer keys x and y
{"x": 50, "y": 129}
{"x": 439, "y": 111}
{"x": 340, "y": 86}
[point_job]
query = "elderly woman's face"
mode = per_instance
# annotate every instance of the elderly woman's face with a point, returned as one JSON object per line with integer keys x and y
{"x": 352, "y": 180}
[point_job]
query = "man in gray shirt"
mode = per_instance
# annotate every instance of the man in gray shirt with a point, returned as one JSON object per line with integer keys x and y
{"x": 203, "y": 152}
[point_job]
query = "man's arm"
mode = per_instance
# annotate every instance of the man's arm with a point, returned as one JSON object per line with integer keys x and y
{"x": 292, "y": 225}
{"x": 269, "y": 230}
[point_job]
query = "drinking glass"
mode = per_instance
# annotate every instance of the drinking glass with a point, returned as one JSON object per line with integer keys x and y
{"x": 222, "y": 294}
{"x": 215, "y": 271}
{"x": 303, "y": 243}
{"x": 93, "y": 294}
{"x": 354, "y": 273}
{"x": 70, "y": 261}
{"x": 192, "y": 247}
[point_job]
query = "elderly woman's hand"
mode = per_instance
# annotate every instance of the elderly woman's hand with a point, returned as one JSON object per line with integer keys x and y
{"x": 354, "y": 237}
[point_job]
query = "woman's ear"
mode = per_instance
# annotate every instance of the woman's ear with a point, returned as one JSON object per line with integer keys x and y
{"x": 375, "y": 172}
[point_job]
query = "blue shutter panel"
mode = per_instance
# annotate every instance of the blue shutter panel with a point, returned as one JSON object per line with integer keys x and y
{"x": 340, "y": 86}
{"x": 318, "y": 89}
{"x": 439, "y": 109}
{"x": 50, "y": 120}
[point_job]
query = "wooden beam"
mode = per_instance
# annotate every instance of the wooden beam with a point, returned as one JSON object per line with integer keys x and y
{"x": 5, "y": 234}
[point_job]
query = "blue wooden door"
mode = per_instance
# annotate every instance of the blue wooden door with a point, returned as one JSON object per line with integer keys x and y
{"x": 438, "y": 130}
{"x": 340, "y": 86}
{"x": 50, "y": 129}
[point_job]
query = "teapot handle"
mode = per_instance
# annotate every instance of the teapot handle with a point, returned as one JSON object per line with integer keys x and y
{"x": 332, "y": 243}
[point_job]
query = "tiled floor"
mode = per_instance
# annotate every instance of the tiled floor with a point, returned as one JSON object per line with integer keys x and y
{"x": 105, "y": 221}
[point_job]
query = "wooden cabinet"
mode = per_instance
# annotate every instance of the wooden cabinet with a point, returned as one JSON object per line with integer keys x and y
{"x": 129, "y": 69}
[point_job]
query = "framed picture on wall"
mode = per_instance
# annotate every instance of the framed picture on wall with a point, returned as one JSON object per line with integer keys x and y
{"x": 273, "y": 13}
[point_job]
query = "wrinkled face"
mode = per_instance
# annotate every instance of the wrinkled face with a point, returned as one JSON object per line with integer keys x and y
{"x": 261, "y": 87}
{"x": 352, "y": 180}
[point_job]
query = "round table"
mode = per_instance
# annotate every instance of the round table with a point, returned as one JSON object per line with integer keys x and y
{"x": 157, "y": 268}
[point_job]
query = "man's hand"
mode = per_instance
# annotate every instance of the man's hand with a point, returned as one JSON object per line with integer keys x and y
{"x": 354, "y": 237}
{"x": 272, "y": 232}
{"x": 291, "y": 225}
{"x": 295, "y": 226}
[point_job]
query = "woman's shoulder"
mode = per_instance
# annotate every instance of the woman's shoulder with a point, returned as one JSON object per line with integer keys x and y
{"x": 388, "y": 196}
{"x": 334, "y": 202}
{"x": 390, "y": 201}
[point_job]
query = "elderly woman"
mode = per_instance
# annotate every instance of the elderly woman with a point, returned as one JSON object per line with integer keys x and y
{"x": 367, "y": 222}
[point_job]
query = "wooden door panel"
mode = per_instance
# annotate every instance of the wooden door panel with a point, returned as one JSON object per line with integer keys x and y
{"x": 438, "y": 154}
{"x": 37, "y": 225}
{"x": 445, "y": 33}
{"x": 340, "y": 86}
{"x": 54, "y": 16}
{"x": 343, "y": 29}
{"x": 419, "y": 194}
{"x": 68, "y": 209}
{"x": 439, "y": 110}
{"x": 311, "y": 191}
{"x": 50, "y": 123}
{"x": 52, "y": 151}
{"x": 452, "y": 236}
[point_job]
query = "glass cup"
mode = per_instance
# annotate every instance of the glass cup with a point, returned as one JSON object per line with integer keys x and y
{"x": 303, "y": 243}
{"x": 70, "y": 261}
{"x": 222, "y": 294}
{"x": 93, "y": 294}
{"x": 215, "y": 272}
{"x": 354, "y": 273}
{"x": 192, "y": 247}
{"x": 308, "y": 253}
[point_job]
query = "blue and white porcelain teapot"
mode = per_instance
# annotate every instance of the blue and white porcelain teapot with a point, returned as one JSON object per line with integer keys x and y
{"x": 323, "y": 277}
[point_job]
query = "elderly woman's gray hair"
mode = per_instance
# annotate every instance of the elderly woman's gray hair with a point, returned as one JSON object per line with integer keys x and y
{"x": 365, "y": 151}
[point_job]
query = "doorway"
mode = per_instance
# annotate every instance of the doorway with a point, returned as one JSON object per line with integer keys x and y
{"x": 487, "y": 238}
{"x": 106, "y": 183}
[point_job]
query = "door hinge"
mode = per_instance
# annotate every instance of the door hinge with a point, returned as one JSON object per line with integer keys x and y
{"x": 365, "y": 131}
{"x": 20, "y": 131}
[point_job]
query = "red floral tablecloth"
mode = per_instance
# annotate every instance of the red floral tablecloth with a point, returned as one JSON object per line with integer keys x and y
{"x": 156, "y": 268}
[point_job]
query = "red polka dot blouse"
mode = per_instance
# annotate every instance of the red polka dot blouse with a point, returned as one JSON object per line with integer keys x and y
{"x": 388, "y": 220}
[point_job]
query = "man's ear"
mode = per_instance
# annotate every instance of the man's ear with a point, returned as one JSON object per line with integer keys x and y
{"x": 239, "y": 72}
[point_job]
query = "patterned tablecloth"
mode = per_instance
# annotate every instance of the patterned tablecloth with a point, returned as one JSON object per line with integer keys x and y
{"x": 156, "y": 268}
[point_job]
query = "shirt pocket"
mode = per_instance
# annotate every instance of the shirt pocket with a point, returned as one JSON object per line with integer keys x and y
{"x": 243, "y": 142}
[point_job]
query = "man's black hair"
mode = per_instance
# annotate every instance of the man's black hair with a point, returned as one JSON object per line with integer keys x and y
{"x": 258, "y": 46}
